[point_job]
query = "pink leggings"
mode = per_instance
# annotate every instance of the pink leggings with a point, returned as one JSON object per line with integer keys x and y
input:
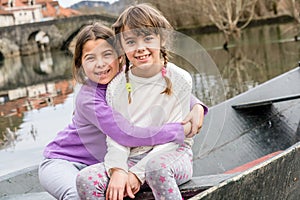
{"x": 163, "y": 175}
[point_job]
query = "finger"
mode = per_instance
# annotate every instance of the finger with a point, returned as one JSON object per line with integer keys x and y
{"x": 107, "y": 194}
{"x": 136, "y": 190}
{"x": 184, "y": 122}
{"x": 194, "y": 129}
{"x": 114, "y": 195}
{"x": 199, "y": 127}
{"x": 110, "y": 196}
{"x": 190, "y": 135}
{"x": 129, "y": 191}
{"x": 120, "y": 194}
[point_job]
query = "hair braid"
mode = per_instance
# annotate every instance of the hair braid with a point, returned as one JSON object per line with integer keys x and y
{"x": 168, "y": 89}
{"x": 128, "y": 84}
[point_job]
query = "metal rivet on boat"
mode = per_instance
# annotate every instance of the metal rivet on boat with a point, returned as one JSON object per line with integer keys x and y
{"x": 295, "y": 179}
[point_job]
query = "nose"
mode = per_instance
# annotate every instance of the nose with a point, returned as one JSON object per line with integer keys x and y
{"x": 100, "y": 63}
{"x": 141, "y": 46}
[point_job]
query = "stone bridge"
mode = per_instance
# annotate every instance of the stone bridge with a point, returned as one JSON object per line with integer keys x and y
{"x": 26, "y": 39}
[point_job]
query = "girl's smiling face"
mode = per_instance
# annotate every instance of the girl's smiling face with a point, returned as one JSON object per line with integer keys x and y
{"x": 143, "y": 51}
{"x": 100, "y": 61}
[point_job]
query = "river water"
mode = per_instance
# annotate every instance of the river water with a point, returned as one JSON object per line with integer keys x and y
{"x": 264, "y": 52}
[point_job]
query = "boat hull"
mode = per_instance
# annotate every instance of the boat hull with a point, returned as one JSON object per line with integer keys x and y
{"x": 230, "y": 138}
{"x": 276, "y": 178}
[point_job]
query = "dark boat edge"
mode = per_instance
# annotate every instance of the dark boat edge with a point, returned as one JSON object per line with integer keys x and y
{"x": 275, "y": 178}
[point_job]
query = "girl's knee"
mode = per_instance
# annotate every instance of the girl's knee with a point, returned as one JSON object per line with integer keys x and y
{"x": 91, "y": 183}
{"x": 156, "y": 169}
{"x": 82, "y": 175}
{"x": 82, "y": 179}
{"x": 153, "y": 165}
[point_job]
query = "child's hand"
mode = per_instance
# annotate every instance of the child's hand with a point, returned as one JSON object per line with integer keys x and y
{"x": 117, "y": 183}
{"x": 134, "y": 182}
{"x": 187, "y": 127}
{"x": 196, "y": 117}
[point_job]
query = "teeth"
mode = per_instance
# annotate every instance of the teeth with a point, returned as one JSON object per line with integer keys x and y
{"x": 143, "y": 57}
{"x": 103, "y": 72}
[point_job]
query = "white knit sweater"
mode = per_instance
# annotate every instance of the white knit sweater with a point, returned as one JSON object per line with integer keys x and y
{"x": 148, "y": 108}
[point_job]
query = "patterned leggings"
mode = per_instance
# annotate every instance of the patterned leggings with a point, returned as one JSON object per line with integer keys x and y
{"x": 163, "y": 175}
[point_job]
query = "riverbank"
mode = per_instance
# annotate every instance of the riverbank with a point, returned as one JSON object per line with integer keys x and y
{"x": 256, "y": 22}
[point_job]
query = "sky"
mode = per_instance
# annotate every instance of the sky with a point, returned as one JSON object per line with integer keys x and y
{"x": 67, "y": 3}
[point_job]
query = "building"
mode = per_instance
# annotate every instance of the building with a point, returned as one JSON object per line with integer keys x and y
{"x": 14, "y": 12}
{"x": 6, "y": 18}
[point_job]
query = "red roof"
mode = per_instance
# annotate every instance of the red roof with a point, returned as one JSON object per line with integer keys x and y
{"x": 4, "y": 2}
{"x": 51, "y": 8}
{"x": 50, "y": 11}
{"x": 19, "y": 3}
{"x": 67, "y": 12}
{"x": 4, "y": 12}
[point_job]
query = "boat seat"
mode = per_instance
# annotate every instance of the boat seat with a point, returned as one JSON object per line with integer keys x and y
{"x": 265, "y": 102}
{"x": 192, "y": 187}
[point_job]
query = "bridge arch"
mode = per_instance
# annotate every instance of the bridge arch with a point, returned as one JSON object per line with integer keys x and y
{"x": 32, "y": 43}
{"x": 41, "y": 39}
{"x": 69, "y": 39}
{"x": 59, "y": 32}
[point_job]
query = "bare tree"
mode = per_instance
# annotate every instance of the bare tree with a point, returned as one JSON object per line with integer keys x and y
{"x": 292, "y": 8}
{"x": 230, "y": 16}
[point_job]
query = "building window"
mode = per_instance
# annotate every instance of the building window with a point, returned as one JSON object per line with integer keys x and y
{"x": 11, "y": 3}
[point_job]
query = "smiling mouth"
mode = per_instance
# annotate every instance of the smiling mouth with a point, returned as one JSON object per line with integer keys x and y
{"x": 103, "y": 72}
{"x": 142, "y": 57}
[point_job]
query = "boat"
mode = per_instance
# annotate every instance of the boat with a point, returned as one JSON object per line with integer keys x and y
{"x": 248, "y": 148}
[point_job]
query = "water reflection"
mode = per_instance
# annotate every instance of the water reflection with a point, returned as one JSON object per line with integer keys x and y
{"x": 40, "y": 67}
{"x": 207, "y": 81}
{"x": 263, "y": 53}
{"x": 8, "y": 137}
{"x": 44, "y": 66}
{"x": 29, "y": 83}
{"x": 238, "y": 71}
{"x": 35, "y": 97}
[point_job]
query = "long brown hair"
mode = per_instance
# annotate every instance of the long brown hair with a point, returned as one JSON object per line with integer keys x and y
{"x": 93, "y": 31}
{"x": 142, "y": 19}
